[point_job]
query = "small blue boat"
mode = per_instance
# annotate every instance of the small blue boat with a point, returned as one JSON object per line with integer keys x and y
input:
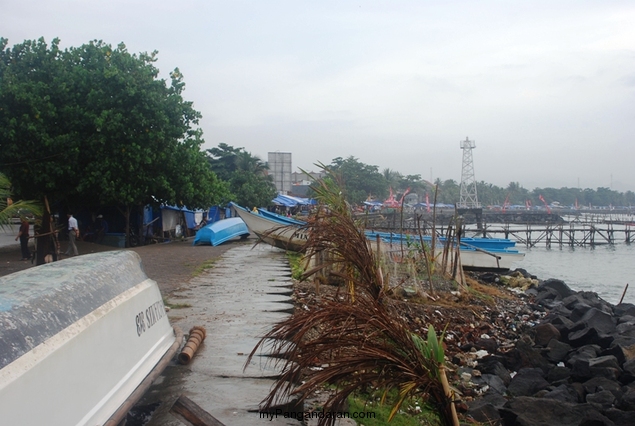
{"x": 218, "y": 232}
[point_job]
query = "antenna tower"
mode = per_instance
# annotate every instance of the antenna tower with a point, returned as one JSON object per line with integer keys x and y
{"x": 468, "y": 197}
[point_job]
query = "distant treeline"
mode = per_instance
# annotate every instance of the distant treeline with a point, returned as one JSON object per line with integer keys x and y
{"x": 515, "y": 194}
{"x": 361, "y": 181}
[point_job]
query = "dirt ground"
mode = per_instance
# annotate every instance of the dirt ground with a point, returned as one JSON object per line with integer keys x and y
{"x": 170, "y": 264}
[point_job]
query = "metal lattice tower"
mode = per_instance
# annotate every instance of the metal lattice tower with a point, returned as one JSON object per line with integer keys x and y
{"x": 468, "y": 197}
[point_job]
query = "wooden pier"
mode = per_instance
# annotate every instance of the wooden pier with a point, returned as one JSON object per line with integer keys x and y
{"x": 561, "y": 235}
{"x": 587, "y": 231}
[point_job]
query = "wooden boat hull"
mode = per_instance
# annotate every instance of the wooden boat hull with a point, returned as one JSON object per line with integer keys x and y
{"x": 77, "y": 337}
{"x": 276, "y": 233}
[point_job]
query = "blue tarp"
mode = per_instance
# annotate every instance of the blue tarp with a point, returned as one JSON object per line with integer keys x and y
{"x": 289, "y": 201}
{"x": 213, "y": 214}
{"x": 190, "y": 217}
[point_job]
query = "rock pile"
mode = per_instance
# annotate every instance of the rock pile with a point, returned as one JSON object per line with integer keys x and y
{"x": 574, "y": 366}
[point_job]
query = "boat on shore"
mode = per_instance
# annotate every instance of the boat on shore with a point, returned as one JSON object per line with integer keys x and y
{"x": 276, "y": 232}
{"x": 483, "y": 254}
{"x": 221, "y": 231}
{"x": 80, "y": 340}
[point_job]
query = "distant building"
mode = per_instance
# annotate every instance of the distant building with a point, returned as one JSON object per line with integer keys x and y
{"x": 280, "y": 169}
{"x": 302, "y": 182}
{"x": 307, "y": 178}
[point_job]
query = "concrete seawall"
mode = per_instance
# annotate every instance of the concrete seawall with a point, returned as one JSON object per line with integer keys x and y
{"x": 237, "y": 301}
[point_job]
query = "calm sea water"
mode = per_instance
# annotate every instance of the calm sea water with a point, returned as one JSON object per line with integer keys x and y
{"x": 603, "y": 269}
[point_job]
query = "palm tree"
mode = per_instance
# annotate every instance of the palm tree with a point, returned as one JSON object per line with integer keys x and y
{"x": 9, "y": 209}
{"x": 249, "y": 163}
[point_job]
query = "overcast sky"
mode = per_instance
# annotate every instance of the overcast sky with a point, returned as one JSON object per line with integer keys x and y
{"x": 546, "y": 89}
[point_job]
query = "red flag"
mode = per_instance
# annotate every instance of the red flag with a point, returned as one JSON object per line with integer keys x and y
{"x": 406, "y": 192}
{"x": 546, "y": 205}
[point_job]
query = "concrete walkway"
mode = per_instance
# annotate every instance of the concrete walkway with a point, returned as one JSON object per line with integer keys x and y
{"x": 237, "y": 301}
{"x": 8, "y": 234}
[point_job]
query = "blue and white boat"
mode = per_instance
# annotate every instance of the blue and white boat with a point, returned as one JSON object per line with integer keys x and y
{"x": 80, "y": 340}
{"x": 489, "y": 254}
{"x": 278, "y": 231}
{"x": 481, "y": 243}
{"x": 480, "y": 254}
{"x": 219, "y": 232}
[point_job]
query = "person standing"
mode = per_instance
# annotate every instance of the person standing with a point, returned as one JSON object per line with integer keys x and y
{"x": 23, "y": 235}
{"x": 102, "y": 229}
{"x": 73, "y": 232}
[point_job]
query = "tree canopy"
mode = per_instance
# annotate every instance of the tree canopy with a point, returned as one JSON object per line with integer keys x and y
{"x": 246, "y": 174}
{"x": 94, "y": 125}
{"x": 359, "y": 180}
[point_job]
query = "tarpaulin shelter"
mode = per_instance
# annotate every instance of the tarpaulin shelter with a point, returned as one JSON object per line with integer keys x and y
{"x": 172, "y": 216}
{"x": 289, "y": 201}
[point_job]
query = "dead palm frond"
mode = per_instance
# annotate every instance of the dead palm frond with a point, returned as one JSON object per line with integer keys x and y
{"x": 339, "y": 241}
{"x": 356, "y": 343}
{"x": 356, "y": 346}
{"x": 10, "y": 209}
{"x": 348, "y": 253}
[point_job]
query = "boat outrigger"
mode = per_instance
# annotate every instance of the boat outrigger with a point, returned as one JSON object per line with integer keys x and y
{"x": 80, "y": 339}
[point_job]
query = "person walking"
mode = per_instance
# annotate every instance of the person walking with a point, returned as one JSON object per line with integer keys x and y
{"x": 73, "y": 232}
{"x": 23, "y": 235}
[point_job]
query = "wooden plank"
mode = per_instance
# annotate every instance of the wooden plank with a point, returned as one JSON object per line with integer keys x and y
{"x": 190, "y": 413}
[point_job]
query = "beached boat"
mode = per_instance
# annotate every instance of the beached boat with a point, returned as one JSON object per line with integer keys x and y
{"x": 475, "y": 259}
{"x": 487, "y": 254}
{"x": 223, "y": 230}
{"x": 80, "y": 340}
{"x": 279, "y": 233}
{"x": 281, "y": 218}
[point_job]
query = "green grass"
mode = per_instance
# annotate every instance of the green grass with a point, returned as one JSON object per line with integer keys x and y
{"x": 295, "y": 262}
{"x": 208, "y": 264}
{"x": 171, "y": 305}
{"x": 407, "y": 415}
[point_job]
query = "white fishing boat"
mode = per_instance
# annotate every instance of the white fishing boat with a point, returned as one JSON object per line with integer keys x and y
{"x": 480, "y": 254}
{"x": 80, "y": 339}
{"x": 489, "y": 260}
{"x": 497, "y": 256}
{"x": 278, "y": 233}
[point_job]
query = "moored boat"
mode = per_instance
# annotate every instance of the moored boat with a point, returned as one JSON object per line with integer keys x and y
{"x": 488, "y": 254}
{"x": 278, "y": 233}
{"x": 477, "y": 254}
{"x": 78, "y": 337}
{"x": 221, "y": 231}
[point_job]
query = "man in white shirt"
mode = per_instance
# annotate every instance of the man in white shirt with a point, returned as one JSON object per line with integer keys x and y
{"x": 73, "y": 232}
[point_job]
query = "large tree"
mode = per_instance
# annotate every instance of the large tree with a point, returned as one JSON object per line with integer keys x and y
{"x": 94, "y": 125}
{"x": 359, "y": 180}
{"x": 246, "y": 173}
